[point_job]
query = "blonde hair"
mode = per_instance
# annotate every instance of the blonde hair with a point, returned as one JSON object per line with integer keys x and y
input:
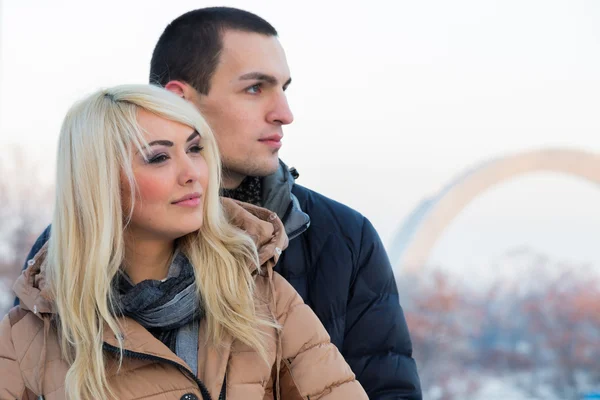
{"x": 86, "y": 247}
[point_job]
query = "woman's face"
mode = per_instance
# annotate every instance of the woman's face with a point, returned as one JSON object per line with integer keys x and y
{"x": 170, "y": 186}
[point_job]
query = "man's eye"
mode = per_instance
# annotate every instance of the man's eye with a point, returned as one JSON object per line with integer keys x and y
{"x": 254, "y": 89}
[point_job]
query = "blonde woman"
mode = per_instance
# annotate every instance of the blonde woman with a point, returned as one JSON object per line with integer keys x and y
{"x": 151, "y": 286}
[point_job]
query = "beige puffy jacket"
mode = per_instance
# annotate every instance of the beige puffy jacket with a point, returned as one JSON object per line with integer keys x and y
{"x": 303, "y": 364}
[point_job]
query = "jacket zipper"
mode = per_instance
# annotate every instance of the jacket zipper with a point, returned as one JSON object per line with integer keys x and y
{"x": 298, "y": 231}
{"x": 143, "y": 356}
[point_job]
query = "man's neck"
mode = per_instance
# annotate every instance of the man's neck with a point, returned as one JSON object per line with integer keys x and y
{"x": 231, "y": 180}
{"x": 249, "y": 191}
{"x": 148, "y": 259}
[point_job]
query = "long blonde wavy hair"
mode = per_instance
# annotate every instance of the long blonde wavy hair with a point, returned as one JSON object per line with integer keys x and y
{"x": 86, "y": 247}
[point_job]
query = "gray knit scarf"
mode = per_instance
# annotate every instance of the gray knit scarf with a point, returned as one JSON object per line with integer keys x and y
{"x": 168, "y": 309}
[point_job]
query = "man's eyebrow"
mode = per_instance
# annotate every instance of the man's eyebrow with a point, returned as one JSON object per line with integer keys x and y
{"x": 259, "y": 76}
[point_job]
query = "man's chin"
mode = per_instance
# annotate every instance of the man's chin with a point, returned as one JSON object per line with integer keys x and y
{"x": 245, "y": 168}
{"x": 264, "y": 169}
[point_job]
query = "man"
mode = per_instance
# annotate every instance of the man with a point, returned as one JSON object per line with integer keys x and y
{"x": 231, "y": 66}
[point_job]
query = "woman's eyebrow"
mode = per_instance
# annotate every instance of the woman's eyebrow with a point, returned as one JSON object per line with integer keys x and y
{"x": 168, "y": 143}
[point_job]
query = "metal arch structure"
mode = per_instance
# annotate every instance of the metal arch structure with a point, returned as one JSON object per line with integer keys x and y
{"x": 420, "y": 231}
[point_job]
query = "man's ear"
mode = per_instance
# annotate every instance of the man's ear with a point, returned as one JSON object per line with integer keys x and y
{"x": 177, "y": 87}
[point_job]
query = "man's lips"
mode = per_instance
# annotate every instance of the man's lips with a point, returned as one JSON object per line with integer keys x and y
{"x": 273, "y": 141}
{"x": 189, "y": 200}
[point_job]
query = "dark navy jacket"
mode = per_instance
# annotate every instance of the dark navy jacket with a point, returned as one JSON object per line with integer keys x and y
{"x": 337, "y": 263}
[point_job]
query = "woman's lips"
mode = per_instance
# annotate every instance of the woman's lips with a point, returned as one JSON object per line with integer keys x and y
{"x": 194, "y": 202}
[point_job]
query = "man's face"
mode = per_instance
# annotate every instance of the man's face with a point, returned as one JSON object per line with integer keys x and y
{"x": 246, "y": 106}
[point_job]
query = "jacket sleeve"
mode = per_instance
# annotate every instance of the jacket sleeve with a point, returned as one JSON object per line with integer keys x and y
{"x": 312, "y": 367}
{"x": 377, "y": 343}
{"x": 39, "y": 243}
{"x": 12, "y": 385}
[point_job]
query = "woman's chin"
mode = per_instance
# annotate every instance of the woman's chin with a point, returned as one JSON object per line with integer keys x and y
{"x": 187, "y": 230}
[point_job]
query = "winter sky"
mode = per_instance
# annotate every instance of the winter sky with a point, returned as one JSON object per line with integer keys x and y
{"x": 392, "y": 99}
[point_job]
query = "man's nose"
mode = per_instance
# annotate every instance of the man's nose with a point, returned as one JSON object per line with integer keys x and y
{"x": 281, "y": 112}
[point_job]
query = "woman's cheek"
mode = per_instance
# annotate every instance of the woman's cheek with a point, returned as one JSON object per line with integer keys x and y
{"x": 152, "y": 188}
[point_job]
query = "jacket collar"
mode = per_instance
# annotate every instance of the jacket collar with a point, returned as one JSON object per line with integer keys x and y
{"x": 262, "y": 225}
{"x": 277, "y": 196}
{"x": 31, "y": 289}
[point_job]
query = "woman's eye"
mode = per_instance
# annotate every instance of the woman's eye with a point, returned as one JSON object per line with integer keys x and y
{"x": 158, "y": 159}
{"x": 196, "y": 148}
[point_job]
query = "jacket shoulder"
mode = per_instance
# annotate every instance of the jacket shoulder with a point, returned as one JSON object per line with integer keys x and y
{"x": 307, "y": 351}
{"x": 286, "y": 297}
{"x": 21, "y": 344}
{"x": 325, "y": 211}
{"x": 25, "y": 329}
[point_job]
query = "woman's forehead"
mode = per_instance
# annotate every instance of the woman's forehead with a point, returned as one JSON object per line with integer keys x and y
{"x": 155, "y": 127}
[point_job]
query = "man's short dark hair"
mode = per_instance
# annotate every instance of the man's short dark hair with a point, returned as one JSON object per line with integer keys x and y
{"x": 189, "y": 48}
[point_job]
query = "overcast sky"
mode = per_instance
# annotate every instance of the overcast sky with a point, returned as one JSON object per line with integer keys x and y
{"x": 392, "y": 99}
